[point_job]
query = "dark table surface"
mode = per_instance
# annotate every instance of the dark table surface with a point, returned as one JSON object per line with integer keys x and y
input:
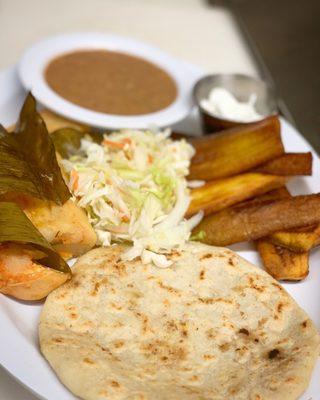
{"x": 284, "y": 37}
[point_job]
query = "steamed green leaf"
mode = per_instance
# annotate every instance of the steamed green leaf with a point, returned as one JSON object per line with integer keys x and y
{"x": 15, "y": 227}
{"x": 28, "y": 162}
{"x": 68, "y": 140}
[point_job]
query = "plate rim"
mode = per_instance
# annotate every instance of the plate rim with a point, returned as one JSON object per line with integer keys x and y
{"x": 10, "y": 366}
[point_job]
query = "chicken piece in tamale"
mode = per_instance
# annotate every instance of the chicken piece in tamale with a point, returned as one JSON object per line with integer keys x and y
{"x": 30, "y": 268}
{"x": 22, "y": 275}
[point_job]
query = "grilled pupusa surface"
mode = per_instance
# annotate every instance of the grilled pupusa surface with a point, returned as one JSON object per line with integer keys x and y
{"x": 211, "y": 327}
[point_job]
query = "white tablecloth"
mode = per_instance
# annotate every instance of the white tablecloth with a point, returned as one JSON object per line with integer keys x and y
{"x": 188, "y": 29}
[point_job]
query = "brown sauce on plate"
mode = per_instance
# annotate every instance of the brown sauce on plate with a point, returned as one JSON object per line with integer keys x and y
{"x": 111, "y": 82}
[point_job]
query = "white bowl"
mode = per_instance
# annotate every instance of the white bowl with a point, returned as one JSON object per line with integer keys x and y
{"x": 36, "y": 58}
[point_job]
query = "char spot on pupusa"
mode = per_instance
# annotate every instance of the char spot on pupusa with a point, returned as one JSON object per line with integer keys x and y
{"x": 202, "y": 274}
{"x": 161, "y": 349}
{"x": 224, "y": 347}
{"x": 171, "y": 326}
{"x": 244, "y": 331}
{"x": 95, "y": 289}
{"x": 166, "y": 303}
{"x": 273, "y": 354}
{"x": 208, "y": 357}
{"x": 232, "y": 261}
{"x": 118, "y": 344}
{"x": 88, "y": 361}
{"x": 211, "y": 333}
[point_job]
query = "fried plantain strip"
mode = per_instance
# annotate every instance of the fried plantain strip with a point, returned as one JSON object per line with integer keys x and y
{"x": 253, "y": 222}
{"x": 282, "y": 263}
{"x": 300, "y": 240}
{"x": 266, "y": 198}
{"x": 223, "y": 193}
{"x": 288, "y": 164}
{"x": 236, "y": 150}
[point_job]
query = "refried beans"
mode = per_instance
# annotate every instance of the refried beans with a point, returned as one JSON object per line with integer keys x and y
{"x": 111, "y": 82}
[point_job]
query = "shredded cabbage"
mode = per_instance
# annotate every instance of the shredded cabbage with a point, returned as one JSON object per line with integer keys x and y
{"x": 134, "y": 189}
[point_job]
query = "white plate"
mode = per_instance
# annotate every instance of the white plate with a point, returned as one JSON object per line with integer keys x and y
{"x": 36, "y": 58}
{"x": 19, "y": 350}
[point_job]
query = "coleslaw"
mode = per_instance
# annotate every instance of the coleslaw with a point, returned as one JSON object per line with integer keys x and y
{"x": 133, "y": 188}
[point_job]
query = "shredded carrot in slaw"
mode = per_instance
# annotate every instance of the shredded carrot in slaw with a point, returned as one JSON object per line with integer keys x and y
{"x": 74, "y": 180}
{"x": 110, "y": 143}
{"x": 117, "y": 145}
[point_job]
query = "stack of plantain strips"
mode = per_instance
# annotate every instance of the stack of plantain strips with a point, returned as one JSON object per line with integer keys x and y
{"x": 244, "y": 197}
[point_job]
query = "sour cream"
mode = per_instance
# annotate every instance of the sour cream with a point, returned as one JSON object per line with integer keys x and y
{"x": 222, "y": 104}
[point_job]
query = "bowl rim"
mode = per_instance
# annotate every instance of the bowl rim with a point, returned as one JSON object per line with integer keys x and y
{"x": 35, "y": 59}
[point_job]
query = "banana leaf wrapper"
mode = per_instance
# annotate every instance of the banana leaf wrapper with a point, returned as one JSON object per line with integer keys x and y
{"x": 15, "y": 227}
{"x": 28, "y": 163}
{"x": 68, "y": 140}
